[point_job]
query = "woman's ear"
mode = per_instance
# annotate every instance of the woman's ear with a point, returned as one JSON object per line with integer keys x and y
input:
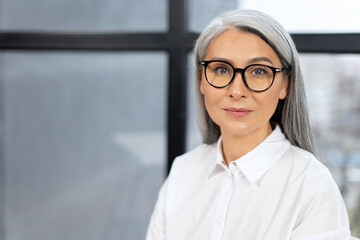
{"x": 284, "y": 88}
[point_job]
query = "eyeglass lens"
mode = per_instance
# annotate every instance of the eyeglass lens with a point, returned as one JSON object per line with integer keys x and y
{"x": 257, "y": 77}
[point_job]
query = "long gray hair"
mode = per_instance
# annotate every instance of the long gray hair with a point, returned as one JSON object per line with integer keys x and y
{"x": 291, "y": 113}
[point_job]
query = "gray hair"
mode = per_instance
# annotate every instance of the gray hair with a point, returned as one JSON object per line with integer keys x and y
{"x": 291, "y": 113}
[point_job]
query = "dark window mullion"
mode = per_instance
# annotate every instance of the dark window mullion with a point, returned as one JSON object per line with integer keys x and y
{"x": 327, "y": 43}
{"x": 176, "y": 123}
{"x": 44, "y": 41}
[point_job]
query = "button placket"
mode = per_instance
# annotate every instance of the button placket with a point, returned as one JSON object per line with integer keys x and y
{"x": 222, "y": 206}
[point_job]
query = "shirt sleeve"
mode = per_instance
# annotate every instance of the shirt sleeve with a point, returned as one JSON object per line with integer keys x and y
{"x": 323, "y": 217}
{"x": 156, "y": 229}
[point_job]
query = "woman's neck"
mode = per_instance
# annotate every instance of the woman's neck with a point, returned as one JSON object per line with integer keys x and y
{"x": 236, "y": 146}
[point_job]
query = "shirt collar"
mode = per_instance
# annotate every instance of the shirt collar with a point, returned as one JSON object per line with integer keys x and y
{"x": 256, "y": 162}
{"x": 217, "y": 164}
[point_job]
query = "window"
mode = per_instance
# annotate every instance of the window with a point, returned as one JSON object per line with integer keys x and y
{"x": 322, "y": 16}
{"x": 74, "y": 126}
{"x": 84, "y": 16}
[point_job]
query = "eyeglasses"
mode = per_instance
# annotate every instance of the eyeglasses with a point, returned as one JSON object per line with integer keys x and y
{"x": 257, "y": 77}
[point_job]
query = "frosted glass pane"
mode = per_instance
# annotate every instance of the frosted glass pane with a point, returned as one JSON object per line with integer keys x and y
{"x": 201, "y": 12}
{"x": 84, "y": 145}
{"x": 84, "y": 15}
{"x": 324, "y": 16}
{"x": 311, "y": 16}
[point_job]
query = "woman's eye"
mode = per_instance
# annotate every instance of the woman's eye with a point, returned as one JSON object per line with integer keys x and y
{"x": 221, "y": 70}
{"x": 259, "y": 71}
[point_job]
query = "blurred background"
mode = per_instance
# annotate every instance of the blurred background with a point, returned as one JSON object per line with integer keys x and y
{"x": 97, "y": 98}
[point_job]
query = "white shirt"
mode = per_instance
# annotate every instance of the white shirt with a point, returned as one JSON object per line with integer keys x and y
{"x": 276, "y": 191}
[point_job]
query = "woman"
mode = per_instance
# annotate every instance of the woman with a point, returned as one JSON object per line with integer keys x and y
{"x": 255, "y": 176}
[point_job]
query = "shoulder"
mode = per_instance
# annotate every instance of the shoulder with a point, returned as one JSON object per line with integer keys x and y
{"x": 321, "y": 209}
{"x": 188, "y": 173}
{"x": 197, "y": 158}
{"x": 308, "y": 170}
{"x": 308, "y": 162}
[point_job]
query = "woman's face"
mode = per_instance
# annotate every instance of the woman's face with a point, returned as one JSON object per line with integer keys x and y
{"x": 236, "y": 109}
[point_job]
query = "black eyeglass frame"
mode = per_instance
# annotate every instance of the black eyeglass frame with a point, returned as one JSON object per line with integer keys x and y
{"x": 242, "y": 72}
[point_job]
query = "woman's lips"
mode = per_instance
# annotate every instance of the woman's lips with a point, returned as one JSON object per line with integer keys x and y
{"x": 238, "y": 112}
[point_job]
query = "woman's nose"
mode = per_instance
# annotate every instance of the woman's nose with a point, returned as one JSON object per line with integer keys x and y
{"x": 237, "y": 88}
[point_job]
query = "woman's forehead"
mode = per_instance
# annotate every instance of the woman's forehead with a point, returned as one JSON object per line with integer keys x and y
{"x": 240, "y": 46}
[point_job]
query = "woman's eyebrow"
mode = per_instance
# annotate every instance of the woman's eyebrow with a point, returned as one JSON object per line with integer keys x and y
{"x": 260, "y": 59}
{"x": 250, "y": 61}
{"x": 221, "y": 59}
